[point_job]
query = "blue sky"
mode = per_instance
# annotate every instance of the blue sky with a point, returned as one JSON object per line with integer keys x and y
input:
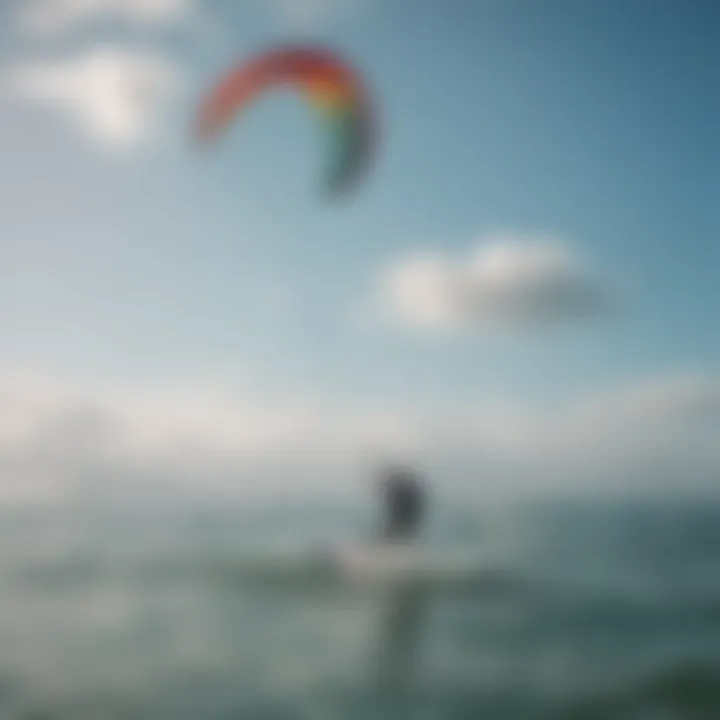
{"x": 592, "y": 123}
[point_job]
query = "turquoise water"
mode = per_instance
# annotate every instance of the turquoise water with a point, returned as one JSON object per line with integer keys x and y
{"x": 602, "y": 610}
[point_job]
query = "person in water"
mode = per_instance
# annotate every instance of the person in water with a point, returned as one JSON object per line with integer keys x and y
{"x": 404, "y": 500}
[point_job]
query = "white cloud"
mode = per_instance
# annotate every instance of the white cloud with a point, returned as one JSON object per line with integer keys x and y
{"x": 54, "y": 441}
{"x": 50, "y": 17}
{"x": 504, "y": 281}
{"x": 114, "y": 94}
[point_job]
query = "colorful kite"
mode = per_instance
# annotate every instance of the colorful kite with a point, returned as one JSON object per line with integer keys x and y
{"x": 333, "y": 88}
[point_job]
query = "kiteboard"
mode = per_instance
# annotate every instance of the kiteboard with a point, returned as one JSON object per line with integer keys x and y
{"x": 357, "y": 566}
{"x": 403, "y": 563}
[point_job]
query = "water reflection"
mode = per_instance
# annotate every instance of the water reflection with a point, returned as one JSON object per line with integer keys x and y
{"x": 400, "y": 638}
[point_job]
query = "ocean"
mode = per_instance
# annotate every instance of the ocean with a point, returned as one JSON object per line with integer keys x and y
{"x": 586, "y": 609}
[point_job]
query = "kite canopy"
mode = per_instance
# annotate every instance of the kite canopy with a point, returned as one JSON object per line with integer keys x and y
{"x": 332, "y": 88}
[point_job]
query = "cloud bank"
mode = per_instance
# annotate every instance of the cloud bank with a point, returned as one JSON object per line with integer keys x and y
{"x": 504, "y": 281}
{"x": 57, "y": 442}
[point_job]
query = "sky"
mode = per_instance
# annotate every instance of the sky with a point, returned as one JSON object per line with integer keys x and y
{"x": 522, "y": 293}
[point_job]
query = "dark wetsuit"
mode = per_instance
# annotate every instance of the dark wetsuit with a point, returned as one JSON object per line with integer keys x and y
{"x": 405, "y": 507}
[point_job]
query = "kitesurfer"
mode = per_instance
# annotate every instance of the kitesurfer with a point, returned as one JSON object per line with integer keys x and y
{"x": 404, "y": 501}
